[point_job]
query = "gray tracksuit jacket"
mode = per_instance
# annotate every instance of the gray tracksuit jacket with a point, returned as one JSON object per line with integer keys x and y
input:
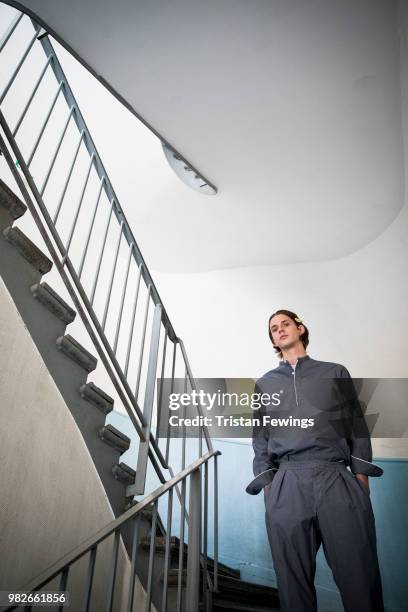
{"x": 319, "y": 390}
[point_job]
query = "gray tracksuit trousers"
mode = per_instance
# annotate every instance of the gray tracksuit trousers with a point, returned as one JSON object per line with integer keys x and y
{"x": 311, "y": 498}
{"x": 310, "y": 503}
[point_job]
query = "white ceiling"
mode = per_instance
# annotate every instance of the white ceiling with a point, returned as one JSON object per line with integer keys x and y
{"x": 290, "y": 107}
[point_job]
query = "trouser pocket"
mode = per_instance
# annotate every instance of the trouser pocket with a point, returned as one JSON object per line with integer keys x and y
{"x": 361, "y": 486}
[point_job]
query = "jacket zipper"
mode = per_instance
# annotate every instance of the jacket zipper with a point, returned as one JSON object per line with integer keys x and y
{"x": 294, "y": 384}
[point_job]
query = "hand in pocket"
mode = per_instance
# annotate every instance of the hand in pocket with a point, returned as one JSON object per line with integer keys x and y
{"x": 363, "y": 483}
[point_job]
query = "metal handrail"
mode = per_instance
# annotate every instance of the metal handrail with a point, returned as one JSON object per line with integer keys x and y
{"x": 173, "y": 482}
{"x": 5, "y": 38}
{"x": 72, "y": 277}
{"x": 46, "y": 222}
{"x": 100, "y": 169}
{"x": 91, "y": 543}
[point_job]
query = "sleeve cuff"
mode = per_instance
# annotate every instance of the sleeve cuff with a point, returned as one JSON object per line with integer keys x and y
{"x": 257, "y": 484}
{"x": 361, "y": 466}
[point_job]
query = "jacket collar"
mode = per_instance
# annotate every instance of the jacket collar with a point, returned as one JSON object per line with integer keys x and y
{"x": 300, "y": 361}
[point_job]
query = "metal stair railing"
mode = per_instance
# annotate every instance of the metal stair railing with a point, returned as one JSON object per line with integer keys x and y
{"x": 89, "y": 550}
{"x": 107, "y": 324}
{"x": 95, "y": 310}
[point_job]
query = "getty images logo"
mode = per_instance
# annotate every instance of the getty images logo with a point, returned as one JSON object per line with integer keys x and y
{"x": 264, "y": 400}
{"x": 224, "y": 399}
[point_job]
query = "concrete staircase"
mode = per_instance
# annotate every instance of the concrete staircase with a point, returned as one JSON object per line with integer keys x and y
{"x": 46, "y": 316}
{"x": 233, "y": 593}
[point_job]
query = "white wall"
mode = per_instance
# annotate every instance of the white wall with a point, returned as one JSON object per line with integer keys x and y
{"x": 355, "y": 307}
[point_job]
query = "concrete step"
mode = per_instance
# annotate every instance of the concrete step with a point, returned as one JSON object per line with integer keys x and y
{"x": 75, "y": 351}
{"x": 222, "y": 601}
{"x": 22, "y": 264}
{"x": 160, "y": 547}
{"x": 147, "y": 515}
{"x": 245, "y": 593}
{"x": 124, "y": 473}
{"x": 10, "y": 203}
{"x": 51, "y": 300}
{"x": 115, "y": 438}
{"x": 223, "y": 570}
{"x": 173, "y": 577}
{"x": 160, "y": 544}
{"x": 98, "y": 398}
{"x": 28, "y": 249}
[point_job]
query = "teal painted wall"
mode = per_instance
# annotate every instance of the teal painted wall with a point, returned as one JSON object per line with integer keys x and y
{"x": 243, "y": 541}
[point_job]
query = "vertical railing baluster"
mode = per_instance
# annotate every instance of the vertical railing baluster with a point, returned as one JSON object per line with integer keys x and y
{"x": 132, "y": 324}
{"x": 193, "y": 551}
{"x": 195, "y": 497}
{"x": 54, "y": 157}
{"x": 115, "y": 261}
{"x": 89, "y": 578}
{"x": 140, "y": 480}
{"x": 183, "y": 438}
{"x": 20, "y": 63}
{"x": 167, "y": 552}
{"x": 98, "y": 268}
{"x": 205, "y": 535}
{"x": 183, "y": 502}
{"x": 63, "y": 585}
{"x": 122, "y": 299}
{"x": 215, "y": 524}
{"x": 173, "y": 367}
{"x": 181, "y": 546}
{"x": 183, "y": 351}
{"x": 81, "y": 199}
{"x": 132, "y": 578}
{"x": 200, "y": 441}
{"x": 151, "y": 558}
{"x": 210, "y": 600}
{"x": 45, "y": 123}
{"x": 57, "y": 212}
{"x": 90, "y": 229}
{"x": 8, "y": 33}
{"x": 160, "y": 390}
{"x": 113, "y": 570}
{"x": 200, "y": 429}
{"x": 139, "y": 369}
{"x": 30, "y": 99}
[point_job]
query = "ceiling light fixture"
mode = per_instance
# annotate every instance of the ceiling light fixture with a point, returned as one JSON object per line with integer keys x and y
{"x": 186, "y": 173}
